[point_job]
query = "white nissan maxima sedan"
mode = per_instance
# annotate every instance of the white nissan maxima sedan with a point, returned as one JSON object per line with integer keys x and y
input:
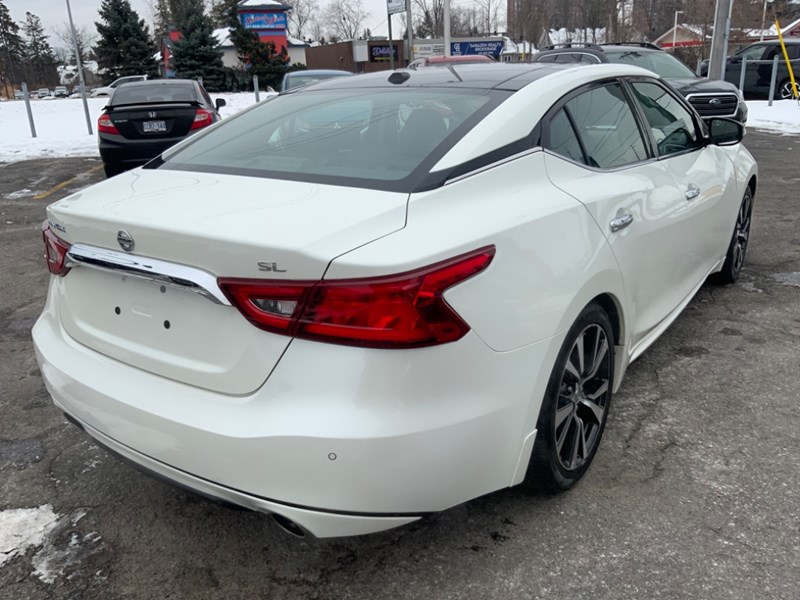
{"x": 382, "y": 296}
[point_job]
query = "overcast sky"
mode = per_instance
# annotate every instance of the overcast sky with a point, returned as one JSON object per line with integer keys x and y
{"x": 54, "y": 13}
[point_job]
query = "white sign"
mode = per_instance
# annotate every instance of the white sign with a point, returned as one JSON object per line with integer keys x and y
{"x": 396, "y": 6}
{"x": 425, "y": 50}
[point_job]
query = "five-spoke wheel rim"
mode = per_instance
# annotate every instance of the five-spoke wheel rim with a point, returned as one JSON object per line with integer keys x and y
{"x": 787, "y": 93}
{"x": 583, "y": 398}
{"x": 741, "y": 234}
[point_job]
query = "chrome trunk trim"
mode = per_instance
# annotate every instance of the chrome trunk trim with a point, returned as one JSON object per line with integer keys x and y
{"x": 174, "y": 275}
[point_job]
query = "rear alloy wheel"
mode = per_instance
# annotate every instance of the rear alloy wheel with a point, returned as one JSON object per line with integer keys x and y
{"x": 737, "y": 250}
{"x": 785, "y": 91}
{"x": 575, "y": 407}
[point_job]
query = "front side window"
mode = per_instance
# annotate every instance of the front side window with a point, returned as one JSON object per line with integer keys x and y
{"x": 672, "y": 125}
{"x": 344, "y": 136}
{"x": 606, "y": 126}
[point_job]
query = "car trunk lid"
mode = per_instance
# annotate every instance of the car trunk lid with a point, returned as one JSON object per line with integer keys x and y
{"x": 153, "y": 121}
{"x": 217, "y": 225}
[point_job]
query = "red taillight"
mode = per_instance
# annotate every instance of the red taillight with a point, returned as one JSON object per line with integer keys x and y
{"x": 106, "y": 125}
{"x": 55, "y": 251}
{"x": 399, "y": 311}
{"x": 202, "y": 118}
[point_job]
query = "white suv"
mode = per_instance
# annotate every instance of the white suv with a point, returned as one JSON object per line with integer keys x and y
{"x": 109, "y": 89}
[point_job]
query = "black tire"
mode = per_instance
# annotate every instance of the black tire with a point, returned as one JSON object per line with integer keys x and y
{"x": 111, "y": 170}
{"x": 737, "y": 249}
{"x": 564, "y": 448}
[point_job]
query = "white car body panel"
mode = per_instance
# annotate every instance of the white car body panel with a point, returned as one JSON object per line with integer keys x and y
{"x": 227, "y": 238}
{"x": 349, "y": 440}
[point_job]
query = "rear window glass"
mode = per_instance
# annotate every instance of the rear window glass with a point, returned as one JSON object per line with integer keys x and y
{"x": 140, "y": 94}
{"x": 296, "y": 81}
{"x": 378, "y": 139}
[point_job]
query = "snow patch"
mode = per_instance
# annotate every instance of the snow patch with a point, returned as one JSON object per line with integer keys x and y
{"x": 782, "y": 117}
{"x": 23, "y": 193}
{"x": 787, "y": 278}
{"x": 51, "y": 562}
{"x": 23, "y": 528}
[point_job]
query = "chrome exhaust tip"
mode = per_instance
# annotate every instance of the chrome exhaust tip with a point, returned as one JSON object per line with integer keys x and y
{"x": 288, "y": 525}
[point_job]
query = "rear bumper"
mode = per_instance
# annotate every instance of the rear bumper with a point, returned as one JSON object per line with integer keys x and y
{"x": 320, "y": 524}
{"x": 116, "y": 150}
{"x": 341, "y": 440}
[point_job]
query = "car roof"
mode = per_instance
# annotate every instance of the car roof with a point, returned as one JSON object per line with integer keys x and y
{"x": 155, "y": 82}
{"x": 307, "y": 72}
{"x": 506, "y": 76}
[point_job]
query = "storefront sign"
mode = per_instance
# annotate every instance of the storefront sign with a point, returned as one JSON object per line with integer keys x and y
{"x": 264, "y": 20}
{"x": 380, "y": 52}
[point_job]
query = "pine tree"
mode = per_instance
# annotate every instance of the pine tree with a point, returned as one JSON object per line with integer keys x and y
{"x": 124, "y": 47}
{"x": 41, "y": 62}
{"x": 12, "y": 48}
{"x": 197, "y": 55}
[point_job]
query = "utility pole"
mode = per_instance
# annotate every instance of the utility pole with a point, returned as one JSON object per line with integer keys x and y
{"x": 447, "y": 27}
{"x": 719, "y": 42}
{"x": 409, "y": 46}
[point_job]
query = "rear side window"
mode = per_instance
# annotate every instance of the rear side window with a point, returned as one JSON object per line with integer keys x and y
{"x": 607, "y": 128}
{"x": 142, "y": 94}
{"x": 672, "y": 125}
{"x": 562, "y": 138}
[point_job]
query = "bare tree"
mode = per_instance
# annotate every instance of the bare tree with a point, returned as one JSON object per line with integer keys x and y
{"x": 488, "y": 13}
{"x": 302, "y": 17}
{"x": 345, "y": 18}
{"x": 83, "y": 34}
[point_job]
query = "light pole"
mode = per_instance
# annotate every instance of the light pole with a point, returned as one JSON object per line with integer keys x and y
{"x": 763, "y": 21}
{"x": 447, "y": 27}
{"x": 675, "y": 29}
{"x": 80, "y": 70}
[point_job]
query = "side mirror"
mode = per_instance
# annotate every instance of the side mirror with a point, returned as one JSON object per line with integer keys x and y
{"x": 220, "y": 102}
{"x": 735, "y": 59}
{"x": 725, "y": 132}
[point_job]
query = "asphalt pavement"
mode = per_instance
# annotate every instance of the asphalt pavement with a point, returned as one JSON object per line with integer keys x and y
{"x": 694, "y": 493}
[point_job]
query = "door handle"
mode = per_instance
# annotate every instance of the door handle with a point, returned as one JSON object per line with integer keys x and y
{"x": 692, "y": 192}
{"x": 620, "y": 223}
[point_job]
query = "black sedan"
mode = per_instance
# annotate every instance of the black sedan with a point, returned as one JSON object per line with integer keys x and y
{"x": 143, "y": 119}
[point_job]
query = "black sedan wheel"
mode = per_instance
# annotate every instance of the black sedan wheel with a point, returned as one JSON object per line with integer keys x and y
{"x": 575, "y": 407}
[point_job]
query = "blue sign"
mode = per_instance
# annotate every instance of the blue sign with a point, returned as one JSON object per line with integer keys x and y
{"x": 264, "y": 20}
{"x": 381, "y": 53}
{"x": 489, "y": 48}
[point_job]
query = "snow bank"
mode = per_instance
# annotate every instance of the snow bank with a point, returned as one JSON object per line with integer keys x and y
{"x": 782, "y": 117}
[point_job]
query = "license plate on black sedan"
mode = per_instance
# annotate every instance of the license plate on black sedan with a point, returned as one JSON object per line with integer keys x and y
{"x": 154, "y": 126}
